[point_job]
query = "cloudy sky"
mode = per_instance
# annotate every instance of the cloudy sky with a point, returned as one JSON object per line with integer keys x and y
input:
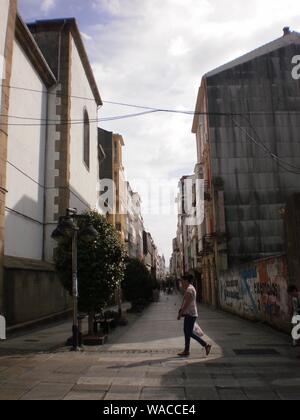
{"x": 154, "y": 53}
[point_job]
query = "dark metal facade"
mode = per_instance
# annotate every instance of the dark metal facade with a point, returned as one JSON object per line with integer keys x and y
{"x": 256, "y": 186}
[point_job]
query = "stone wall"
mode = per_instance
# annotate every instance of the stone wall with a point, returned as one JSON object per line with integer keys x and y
{"x": 32, "y": 291}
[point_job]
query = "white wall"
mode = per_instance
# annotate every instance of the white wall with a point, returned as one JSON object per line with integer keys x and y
{"x": 26, "y": 151}
{"x": 83, "y": 181}
{"x": 3, "y": 27}
{"x": 3, "y": 23}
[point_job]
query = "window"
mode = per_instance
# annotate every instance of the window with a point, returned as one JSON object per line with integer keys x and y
{"x": 86, "y": 139}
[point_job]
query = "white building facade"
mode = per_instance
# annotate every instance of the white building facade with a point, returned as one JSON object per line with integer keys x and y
{"x": 52, "y": 163}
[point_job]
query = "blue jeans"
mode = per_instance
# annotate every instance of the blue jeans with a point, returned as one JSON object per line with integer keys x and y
{"x": 189, "y": 323}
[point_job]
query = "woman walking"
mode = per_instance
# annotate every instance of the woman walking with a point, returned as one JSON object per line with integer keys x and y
{"x": 190, "y": 313}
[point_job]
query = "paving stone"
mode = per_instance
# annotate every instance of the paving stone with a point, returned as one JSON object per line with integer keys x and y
{"x": 202, "y": 394}
{"x": 12, "y": 393}
{"x": 170, "y": 372}
{"x": 260, "y": 394}
{"x": 12, "y": 361}
{"x": 122, "y": 389}
{"x": 251, "y": 383}
{"x": 63, "y": 378}
{"x": 102, "y": 371}
{"x": 73, "y": 368}
{"x": 48, "y": 391}
{"x": 91, "y": 388}
{"x": 241, "y": 375}
{"x": 94, "y": 381}
{"x": 153, "y": 394}
{"x": 163, "y": 381}
{"x": 125, "y": 373}
{"x": 84, "y": 396}
{"x": 287, "y": 393}
{"x": 196, "y": 376}
{"x": 200, "y": 383}
{"x": 142, "y": 363}
{"x": 226, "y": 383}
{"x": 21, "y": 383}
{"x": 13, "y": 372}
{"x": 232, "y": 395}
{"x": 152, "y": 382}
{"x": 287, "y": 382}
{"x": 122, "y": 397}
{"x": 34, "y": 376}
{"x": 128, "y": 381}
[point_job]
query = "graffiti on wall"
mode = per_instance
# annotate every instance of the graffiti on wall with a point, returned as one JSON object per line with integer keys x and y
{"x": 258, "y": 290}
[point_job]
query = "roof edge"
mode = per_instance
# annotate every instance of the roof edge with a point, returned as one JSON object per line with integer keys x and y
{"x": 292, "y": 37}
{"x": 74, "y": 29}
{"x": 32, "y": 50}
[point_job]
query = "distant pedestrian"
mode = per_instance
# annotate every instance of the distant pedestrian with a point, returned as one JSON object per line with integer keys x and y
{"x": 190, "y": 313}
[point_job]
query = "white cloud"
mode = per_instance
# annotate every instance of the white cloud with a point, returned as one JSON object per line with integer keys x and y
{"x": 86, "y": 37}
{"x": 116, "y": 7}
{"x": 47, "y": 5}
{"x": 154, "y": 53}
{"x": 178, "y": 47}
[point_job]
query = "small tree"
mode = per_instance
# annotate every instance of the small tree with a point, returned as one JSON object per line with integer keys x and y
{"x": 101, "y": 265}
{"x": 138, "y": 283}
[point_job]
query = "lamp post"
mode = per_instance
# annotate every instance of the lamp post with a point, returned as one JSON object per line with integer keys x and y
{"x": 67, "y": 227}
{"x": 75, "y": 328}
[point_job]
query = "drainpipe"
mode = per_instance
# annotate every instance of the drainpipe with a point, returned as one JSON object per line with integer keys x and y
{"x": 45, "y": 175}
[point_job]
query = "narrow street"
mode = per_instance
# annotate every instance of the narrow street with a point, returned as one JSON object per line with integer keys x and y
{"x": 248, "y": 361}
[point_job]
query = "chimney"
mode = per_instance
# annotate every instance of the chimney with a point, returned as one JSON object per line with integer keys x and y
{"x": 286, "y": 31}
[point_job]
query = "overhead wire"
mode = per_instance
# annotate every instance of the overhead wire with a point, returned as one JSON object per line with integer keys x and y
{"x": 50, "y": 122}
{"x": 146, "y": 108}
{"x": 43, "y": 186}
{"x": 270, "y": 151}
{"x": 283, "y": 164}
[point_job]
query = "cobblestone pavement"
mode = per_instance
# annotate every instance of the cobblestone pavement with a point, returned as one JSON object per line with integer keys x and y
{"x": 249, "y": 361}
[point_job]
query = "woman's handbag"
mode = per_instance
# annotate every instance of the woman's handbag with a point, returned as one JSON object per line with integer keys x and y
{"x": 198, "y": 330}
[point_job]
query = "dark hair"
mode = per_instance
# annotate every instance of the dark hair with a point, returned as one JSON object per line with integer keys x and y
{"x": 188, "y": 278}
{"x": 292, "y": 289}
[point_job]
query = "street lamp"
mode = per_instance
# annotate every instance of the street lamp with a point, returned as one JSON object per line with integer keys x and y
{"x": 67, "y": 227}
